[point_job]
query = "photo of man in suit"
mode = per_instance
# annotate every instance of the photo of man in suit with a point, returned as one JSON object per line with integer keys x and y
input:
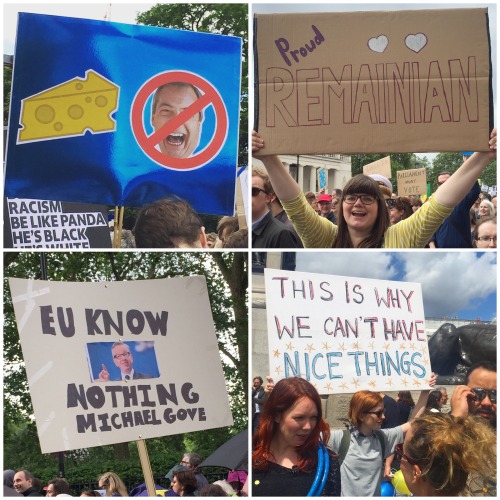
{"x": 124, "y": 360}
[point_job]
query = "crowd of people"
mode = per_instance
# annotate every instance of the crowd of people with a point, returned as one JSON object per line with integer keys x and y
{"x": 186, "y": 479}
{"x": 429, "y": 449}
{"x": 173, "y": 223}
{"x": 366, "y": 213}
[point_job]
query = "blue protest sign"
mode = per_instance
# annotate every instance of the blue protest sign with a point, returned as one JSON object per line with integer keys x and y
{"x": 122, "y": 114}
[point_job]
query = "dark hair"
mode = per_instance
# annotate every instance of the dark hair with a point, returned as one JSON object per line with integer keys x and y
{"x": 90, "y": 493}
{"x": 484, "y": 365}
{"x": 366, "y": 185}
{"x": 227, "y": 222}
{"x": 284, "y": 395}
{"x": 178, "y": 85}
{"x": 403, "y": 204}
{"x": 238, "y": 239}
{"x": 406, "y": 397}
{"x": 258, "y": 378}
{"x": 28, "y": 476}
{"x": 60, "y": 486}
{"x": 187, "y": 480}
{"x": 310, "y": 195}
{"x": 433, "y": 400}
{"x": 167, "y": 223}
{"x": 212, "y": 490}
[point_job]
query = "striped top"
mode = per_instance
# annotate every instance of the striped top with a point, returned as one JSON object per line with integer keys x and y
{"x": 413, "y": 232}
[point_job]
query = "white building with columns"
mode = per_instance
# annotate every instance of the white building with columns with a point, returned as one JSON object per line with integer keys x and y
{"x": 304, "y": 169}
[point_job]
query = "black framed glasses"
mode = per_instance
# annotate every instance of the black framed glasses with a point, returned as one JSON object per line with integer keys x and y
{"x": 401, "y": 454}
{"x": 377, "y": 413}
{"x": 120, "y": 356}
{"x": 487, "y": 238}
{"x": 390, "y": 202}
{"x": 366, "y": 199}
{"x": 482, "y": 393}
{"x": 256, "y": 191}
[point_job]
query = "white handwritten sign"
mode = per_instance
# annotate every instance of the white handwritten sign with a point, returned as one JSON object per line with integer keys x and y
{"x": 345, "y": 334}
{"x": 80, "y": 341}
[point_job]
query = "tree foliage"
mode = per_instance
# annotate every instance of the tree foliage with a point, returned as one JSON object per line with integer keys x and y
{"x": 222, "y": 19}
{"x": 227, "y": 281}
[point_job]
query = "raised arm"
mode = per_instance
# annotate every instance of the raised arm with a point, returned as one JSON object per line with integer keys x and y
{"x": 283, "y": 184}
{"x": 422, "y": 401}
{"x": 459, "y": 184}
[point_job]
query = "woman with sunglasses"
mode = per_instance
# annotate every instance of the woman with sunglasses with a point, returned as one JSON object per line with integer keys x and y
{"x": 364, "y": 220}
{"x": 290, "y": 457}
{"x": 443, "y": 455}
{"x": 362, "y": 467}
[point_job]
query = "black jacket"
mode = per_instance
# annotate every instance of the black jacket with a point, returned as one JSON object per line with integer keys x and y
{"x": 271, "y": 233}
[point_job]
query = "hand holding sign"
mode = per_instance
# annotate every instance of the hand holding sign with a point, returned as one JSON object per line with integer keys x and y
{"x": 103, "y": 374}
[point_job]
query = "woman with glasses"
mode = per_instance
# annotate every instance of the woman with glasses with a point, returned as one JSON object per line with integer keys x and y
{"x": 443, "y": 455}
{"x": 364, "y": 220}
{"x": 290, "y": 457}
{"x": 365, "y": 446}
{"x": 485, "y": 233}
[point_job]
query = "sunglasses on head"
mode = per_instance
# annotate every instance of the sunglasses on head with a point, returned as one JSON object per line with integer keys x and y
{"x": 482, "y": 393}
{"x": 400, "y": 454}
{"x": 256, "y": 191}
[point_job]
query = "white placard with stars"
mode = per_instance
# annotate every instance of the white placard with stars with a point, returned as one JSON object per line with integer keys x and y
{"x": 344, "y": 334}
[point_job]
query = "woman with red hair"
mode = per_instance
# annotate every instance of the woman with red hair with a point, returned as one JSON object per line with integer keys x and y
{"x": 364, "y": 448}
{"x": 289, "y": 449}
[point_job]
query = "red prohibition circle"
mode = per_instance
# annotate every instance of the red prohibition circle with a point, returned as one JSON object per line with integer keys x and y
{"x": 210, "y": 97}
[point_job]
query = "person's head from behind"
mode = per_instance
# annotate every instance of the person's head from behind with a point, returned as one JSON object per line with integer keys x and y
{"x": 169, "y": 223}
{"x": 226, "y": 226}
{"x": 366, "y": 411}
{"x": 238, "y": 239}
{"x": 23, "y": 480}
{"x": 402, "y": 209}
{"x": 56, "y": 487}
{"x": 184, "y": 482}
{"x": 481, "y": 378}
{"x": 440, "y": 451}
{"x": 112, "y": 484}
{"x": 168, "y": 102}
{"x": 435, "y": 400}
{"x": 486, "y": 209}
{"x": 485, "y": 233}
{"x": 212, "y": 490}
{"x": 363, "y": 212}
{"x": 90, "y": 493}
{"x": 291, "y": 416}
{"x": 444, "y": 393}
{"x": 261, "y": 193}
{"x": 406, "y": 397}
{"x": 485, "y": 196}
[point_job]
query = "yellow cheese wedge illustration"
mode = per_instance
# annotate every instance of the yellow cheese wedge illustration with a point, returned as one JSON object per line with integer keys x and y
{"x": 70, "y": 109}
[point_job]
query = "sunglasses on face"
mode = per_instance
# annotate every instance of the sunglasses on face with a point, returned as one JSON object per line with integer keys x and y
{"x": 482, "y": 393}
{"x": 400, "y": 453}
{"x": 377, "y": 413}
{"x": 366, "y": 199}
{"x": 256, "y": 191}
{"x": 390, "y": 202}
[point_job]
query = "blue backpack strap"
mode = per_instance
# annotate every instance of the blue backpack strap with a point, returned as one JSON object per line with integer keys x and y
{"x": 344, "y": 445}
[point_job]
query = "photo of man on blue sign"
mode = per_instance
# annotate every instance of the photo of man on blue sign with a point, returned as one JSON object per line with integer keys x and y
{"x": 168, "y": 102}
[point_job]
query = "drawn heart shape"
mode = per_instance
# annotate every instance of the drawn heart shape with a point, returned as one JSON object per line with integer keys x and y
{"x": 378, "y": 44}
{"x": 416, "y": 42}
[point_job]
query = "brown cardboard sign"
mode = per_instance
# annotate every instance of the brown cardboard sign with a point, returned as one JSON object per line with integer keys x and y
{"x": 412, "y": 182}
{"x": 382, "y": 167}
{"x": 373, "y": 82}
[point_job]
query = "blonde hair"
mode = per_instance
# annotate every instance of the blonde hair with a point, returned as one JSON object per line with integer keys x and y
{"x": 448, "y": 449}
{"x": 112, "y": 484}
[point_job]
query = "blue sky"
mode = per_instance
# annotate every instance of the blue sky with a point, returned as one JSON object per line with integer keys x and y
{"x": 454, "y": 283}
